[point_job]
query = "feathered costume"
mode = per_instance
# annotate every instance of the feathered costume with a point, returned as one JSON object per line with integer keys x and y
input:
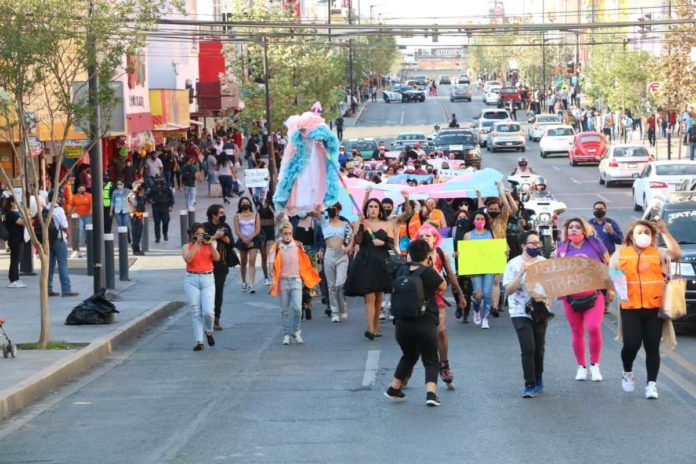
{"x": 308, "y": 178}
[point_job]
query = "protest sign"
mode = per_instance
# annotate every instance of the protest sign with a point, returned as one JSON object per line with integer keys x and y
{"x": 566, "y": 276}
{"x": 481, "y": 256}
{"x": 256, "y": 178}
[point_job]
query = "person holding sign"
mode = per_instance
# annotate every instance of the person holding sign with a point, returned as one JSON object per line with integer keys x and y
{"x": 642, "y": 263}
{"x": 531, "y": 331}
{"x": 585, "y": 308}
{"x": 480, "y": 229}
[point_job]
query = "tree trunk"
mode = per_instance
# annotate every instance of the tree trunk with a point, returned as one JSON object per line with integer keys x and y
{"x": 45, "y": 333}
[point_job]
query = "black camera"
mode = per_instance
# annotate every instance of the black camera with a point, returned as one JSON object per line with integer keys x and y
{"x": 206, "y": 237}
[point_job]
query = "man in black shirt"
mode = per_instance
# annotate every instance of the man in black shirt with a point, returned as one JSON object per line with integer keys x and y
{"x": 417, "y": 337}
{"x": 162, "y": 200}
{"x": 219, "y": 231}
{"x": 339, "y": 127}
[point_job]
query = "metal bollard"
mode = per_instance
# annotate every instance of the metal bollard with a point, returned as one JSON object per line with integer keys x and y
{"x": 123, "y": 253}
{"x": 26, "y": 260}
{"x": 109, "y": 277}
{"x": 90, "y": 249}
{"x": 191, "y": 216}
{"x": 145, "y": 240}
{"x": 75, "y": 232}
{"x": 183, "y": 226}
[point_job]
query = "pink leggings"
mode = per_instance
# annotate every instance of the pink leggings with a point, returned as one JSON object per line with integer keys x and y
{"x": 577, "y": 320}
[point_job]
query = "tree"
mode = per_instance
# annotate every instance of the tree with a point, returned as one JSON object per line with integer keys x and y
{"x": 44, "y": 55}
{"x": 373, "y": 56}
{"x": 302, "y": 71}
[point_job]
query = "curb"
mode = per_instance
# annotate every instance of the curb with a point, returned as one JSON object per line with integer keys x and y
{"x": 61, "y": 372}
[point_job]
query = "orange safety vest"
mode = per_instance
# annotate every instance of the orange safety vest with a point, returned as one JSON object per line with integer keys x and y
{"x": 409, "y": 229}
{"x": 644, "y": 277}
{"x": 309, "y": 275}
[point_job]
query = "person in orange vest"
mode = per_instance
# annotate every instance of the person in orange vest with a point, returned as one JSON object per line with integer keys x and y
{"x": 290, "y": 267}
{"x": 643, "y": 264}
{"x": 82, "y": 204}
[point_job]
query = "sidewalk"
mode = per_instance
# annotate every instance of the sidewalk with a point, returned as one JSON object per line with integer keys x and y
{"x": 154, "y": 292}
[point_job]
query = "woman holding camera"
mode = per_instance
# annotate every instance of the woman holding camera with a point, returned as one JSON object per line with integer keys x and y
{"x": 247, "y": 228}
{"x": 199, "y": 255}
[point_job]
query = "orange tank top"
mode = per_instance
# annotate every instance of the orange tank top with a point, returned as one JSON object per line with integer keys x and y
{"x": 202, "y": 261}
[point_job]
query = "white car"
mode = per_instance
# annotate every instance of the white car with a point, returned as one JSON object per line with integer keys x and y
{"x": 391, "y": 96}
{"x": 492, "y": 96}
{"x": 658, "y": 179}
{"x": 505, "y": 135}
{"x": 539, "y": 123}
{"x": 623, "y": 163}
{"x": 487, "y": 86}
{"x": 482, "y": 128}
{"x": 557, "y": 139}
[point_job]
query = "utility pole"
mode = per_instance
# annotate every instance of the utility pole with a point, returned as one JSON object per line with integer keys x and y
{"x": 272, "y": 167}
{"x": 543, "y": 54}
{"x": 350, "y": 54}
{"x": 95, "y": 161}
{"x": 328, "y": 20}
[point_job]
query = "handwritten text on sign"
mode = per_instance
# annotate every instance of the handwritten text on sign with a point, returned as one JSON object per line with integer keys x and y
{"x": 566, "y": 276}
{"x": 256, "y": 177}
{"x": 481, "y": 256}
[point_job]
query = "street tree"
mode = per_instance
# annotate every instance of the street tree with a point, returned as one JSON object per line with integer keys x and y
{"x": 46, "y": 49}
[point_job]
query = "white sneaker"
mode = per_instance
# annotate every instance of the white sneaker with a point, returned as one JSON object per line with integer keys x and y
{"x": 267, "y": 283}
{"x": 251, "y": 289}
{"x": 344, "y": 317}
{"x": 595, "y": 375}
{"x": 298, "y": 337}
{"x": 382, "y": 316}
{"x": 286, "y": 340}
{"x": 651, "y": 391}
{"x": 627, "y": 382}
{"x": 335, "y": 318}
{"x": 244, "y": 286}
{"x": 581, "y": 374}
{"x": 484, "y": 323}
{"x": 391, "y": 318}
{"x": 17, "y": 284}
{"x": 477, "y": 318}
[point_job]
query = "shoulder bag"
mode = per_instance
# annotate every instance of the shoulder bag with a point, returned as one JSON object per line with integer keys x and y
{"x": 673, "y": 293}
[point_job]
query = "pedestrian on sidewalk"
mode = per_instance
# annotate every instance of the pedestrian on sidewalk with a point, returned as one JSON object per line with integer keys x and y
{"x": 15, "y": 224}
{"x": 107, "y": 190}
{"x": 224, "y": 170}
{"x": 136, "y": 208}
{"x": 692, "y": 141}
{"x": 189, "y": 175}
{"x": 162, "y": 200}
{"x": 211, "y": 162}
{"x": 119, "y": 208}
{"x": 58, "y": 251}
{"x": 221, "y": 233}
{"x": 82, "y": 204}
{"x": 530, "y": 328}
{"x": 291, "y": 268}
{"x": 652, "y": 129}
{"x": 247, "y": 228}
{"x": 417, "y": 336}
{"x": 267, "y": 214}
{"x": 339, "y": 127}
{"x": 200, "y": 254}
{"x": 643, "y": 264}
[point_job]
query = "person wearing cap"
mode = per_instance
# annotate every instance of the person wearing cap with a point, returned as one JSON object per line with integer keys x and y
{"x": 58, "y": 251}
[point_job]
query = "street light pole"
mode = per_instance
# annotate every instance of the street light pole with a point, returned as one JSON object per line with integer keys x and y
{"x": 272, "y": 167}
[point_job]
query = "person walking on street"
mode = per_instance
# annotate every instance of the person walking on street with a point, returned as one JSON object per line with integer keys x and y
{"x": 162, "y": 200}
{"x": 652, "y": 129}
{"x": 58, "y": 251}
{"x": 82, "y": 204}
{"x": 224, "y": 169}
{"x": 480, "y": 229}
{"x": 608, "y": 232}
{"x": 585, "y": 308}
{"x": 339, "y": 128}
{"x": 136, "y": 208}
{"x": 643, "y": 264}
{"x": 247, "y": 229}
{"x": 14, "y": 223}
{"x": 153, "y": 166}
{"x": 267, "y": 215}
{"x": 189, "y": 175}
{"x": 107, "y": 190}
{"x": 119, "y": 207}
{"x": 417, "y": 336}
{"x": 291, "y": 269}
{"x": 530, "y": 328}
{"x": 338, "y": 237}
{"x": 221, "y": 233}
{"x": 199, "y": 255}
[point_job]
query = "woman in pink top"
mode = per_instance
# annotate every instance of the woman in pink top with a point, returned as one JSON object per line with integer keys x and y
{"x": 586, "y": 308}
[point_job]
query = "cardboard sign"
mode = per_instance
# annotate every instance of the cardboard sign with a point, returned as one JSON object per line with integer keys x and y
{"x": 481, "y": 256}
{"x": 256, "y": 177}
{"x": 566, "y": 276}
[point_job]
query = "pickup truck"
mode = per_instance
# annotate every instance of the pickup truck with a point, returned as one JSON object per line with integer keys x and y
{"x": 509, "y": 95}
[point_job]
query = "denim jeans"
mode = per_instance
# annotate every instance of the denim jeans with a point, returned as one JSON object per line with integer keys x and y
{"x": 484, "y": 284}
{"x": 84, "y": 220}
{"x": 692, "y": 151}
{"x": 58, "y": 254}
{"x": 290, "y": 292}
{"x": 122, "y": 219}
{"x": 226, "y": 184}
{"x": 336, "y": 270}
{"x": 190, "y": 195}
{"x": 200, "y": 292}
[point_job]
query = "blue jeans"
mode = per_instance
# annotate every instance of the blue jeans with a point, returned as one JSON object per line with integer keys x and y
{"x": 692, "y": 151}
{"x": 190, "y": 195}
{"x": 226, "y": 182}
{"x": 482, "y": 283}
{"x": 84, "y": 220}
{"x": 290, "y": 292}
{"x": 58, "y": 253}
{"x": 122, "y": 219}
{"x": 200, "y": 291}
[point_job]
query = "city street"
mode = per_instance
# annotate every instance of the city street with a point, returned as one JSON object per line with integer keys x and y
{"x": 252, "y": 400}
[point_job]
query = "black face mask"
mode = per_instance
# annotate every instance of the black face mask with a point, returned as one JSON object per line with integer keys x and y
{"x": 222, "y": 218}
{"x": 387, "y": 212}
{"x": 462, "y": 222}
{"x": 599, "y": 213}
{"x": 245, "y": 207}
{"x": 494, "y": 214}
{"x": 333, "y": 212}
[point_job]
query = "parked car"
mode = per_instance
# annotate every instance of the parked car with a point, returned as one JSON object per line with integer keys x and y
{"x": 460, "y": 92}
{"x": 366, "y": 146}
{"x": 505, "y": 135}
{"x": 445, "y": 80}
{"x": 623, "y": 163}
{"x": 589, "y": 147}
{"x": 409, "y": 94}
{"x": 509, "y": 96}
{"x": 557, "y": 139}
{"x": 463, "y": 79}
{"x": 482, "y": 128}
{"x": 678, "y": 210}
{"x": 538, "y": 125}
{"x": 492, "y": 96}
{"x": 461, "y": 143}
{"x": 658, "y": 179}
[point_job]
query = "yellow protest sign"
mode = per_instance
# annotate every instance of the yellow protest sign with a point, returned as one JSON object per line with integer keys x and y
{"x": 481, "y": 256}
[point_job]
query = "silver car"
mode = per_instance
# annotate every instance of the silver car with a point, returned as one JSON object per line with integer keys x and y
{"x": 537, "y": 126}
{"x": 482, "y": 128}
{"x": 506, "y": 136}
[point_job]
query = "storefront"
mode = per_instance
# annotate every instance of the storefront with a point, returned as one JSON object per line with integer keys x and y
{"x": 170, "y": 114}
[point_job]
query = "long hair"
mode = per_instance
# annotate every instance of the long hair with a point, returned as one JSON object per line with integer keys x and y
{"x": 192, "y": 230}
{"x": 481, "y": 212}
{"x": 587, "y": 229}
{"x": 628, "y": 240}
{"x": 242, "y": 200}
{"x": 223, "y": 159}
{"x": 379, "y": 204}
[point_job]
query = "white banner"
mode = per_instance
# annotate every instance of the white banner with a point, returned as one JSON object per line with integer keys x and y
{"x": 256, "y": 177}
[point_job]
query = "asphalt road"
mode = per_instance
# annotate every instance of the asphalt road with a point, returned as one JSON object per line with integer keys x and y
{"x": 250, "y": 399}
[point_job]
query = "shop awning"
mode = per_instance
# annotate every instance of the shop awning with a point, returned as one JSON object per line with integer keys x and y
{"x": 170, "y": 109}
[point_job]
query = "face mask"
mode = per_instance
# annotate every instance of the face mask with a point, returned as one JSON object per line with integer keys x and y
{"x": 599, "y": 213}
{"x": 245, "y": 207}
{"x": 576, "y": 238}
{"x": 494, "y": 214}
{"x": 120, "y": 187}
{"x": 479, "y": 223}
{"x": 287, "y": 239}
{"x": 533, "y": 252}
{"x": 222, "y": 218}
{"x": 642, "y": 240}
{"x": 332, "y": 212}
{"x": 387, "y": 212}
{"x": 462, "y": 222}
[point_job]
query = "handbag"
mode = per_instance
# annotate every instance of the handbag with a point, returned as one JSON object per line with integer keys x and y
{"x": 231, "y": 258}
{"x": 538, "y": 310}
{"x": 582, "y": 303}
{"x": 673, "y": 295}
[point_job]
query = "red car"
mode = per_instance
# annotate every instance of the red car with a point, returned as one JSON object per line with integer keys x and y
{"x": 509, "y": 95}
{"x": 589, "y": 147}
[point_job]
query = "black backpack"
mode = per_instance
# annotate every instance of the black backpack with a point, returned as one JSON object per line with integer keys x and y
{"x": 408, "y": 299}
{"x": 52, "y": 229}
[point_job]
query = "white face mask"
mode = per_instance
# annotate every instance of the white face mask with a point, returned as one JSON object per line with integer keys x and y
{"x": 642, "y": 240}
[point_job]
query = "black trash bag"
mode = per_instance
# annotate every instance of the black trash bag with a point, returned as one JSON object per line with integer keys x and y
{"x": 93, "y": 311}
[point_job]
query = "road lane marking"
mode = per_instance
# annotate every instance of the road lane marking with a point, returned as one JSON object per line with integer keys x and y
{"x": 555, "y": 167}
{"x": 402, "y": 117}
{"x": 574, "y": 180}
{"x": 603, "y": 198}
{"x": 371, "y": 367}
